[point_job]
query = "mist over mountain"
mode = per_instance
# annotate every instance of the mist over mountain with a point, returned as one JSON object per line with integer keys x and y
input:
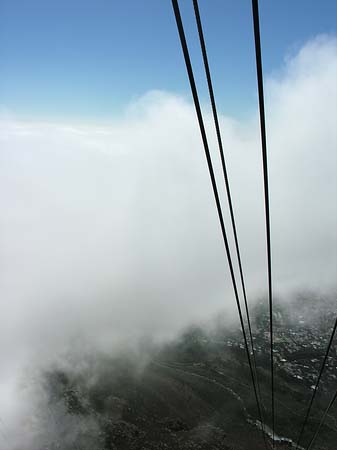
{"x": 111, "y": 249}
{"x": 193, "y": 392}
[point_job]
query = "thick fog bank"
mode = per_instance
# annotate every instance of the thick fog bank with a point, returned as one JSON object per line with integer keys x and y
{"x": 109, "y": 233}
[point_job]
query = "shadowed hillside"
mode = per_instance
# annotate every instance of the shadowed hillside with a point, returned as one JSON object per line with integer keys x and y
{"x": 196, "y": 393}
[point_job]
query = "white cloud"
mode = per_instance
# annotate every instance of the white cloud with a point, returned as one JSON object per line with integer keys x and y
{"x": 110, "y": 231}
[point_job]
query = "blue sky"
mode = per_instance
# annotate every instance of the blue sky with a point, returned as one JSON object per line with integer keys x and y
{"x": 88, "y": 59}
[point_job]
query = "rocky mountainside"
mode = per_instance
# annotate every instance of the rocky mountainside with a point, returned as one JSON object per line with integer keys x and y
{"x": 196, "y": 392}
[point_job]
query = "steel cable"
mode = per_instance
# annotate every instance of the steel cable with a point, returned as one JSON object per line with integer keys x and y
{"x": 227, "y": 185}
{"x": 259, "y": 73}
{"x": 317, "y": 383}
{"x": 214, "y": 187}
